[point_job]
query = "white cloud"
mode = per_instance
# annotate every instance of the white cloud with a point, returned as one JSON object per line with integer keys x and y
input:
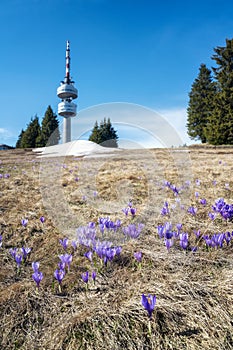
{"x": 4, "y": 134}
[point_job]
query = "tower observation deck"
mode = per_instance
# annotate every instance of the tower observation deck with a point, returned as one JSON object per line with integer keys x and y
{"x": 67, "y": 93}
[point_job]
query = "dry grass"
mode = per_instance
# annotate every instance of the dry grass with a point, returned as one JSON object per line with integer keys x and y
{"x": 194, "y": 291}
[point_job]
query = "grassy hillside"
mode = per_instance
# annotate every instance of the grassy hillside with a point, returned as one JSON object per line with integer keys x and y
{"x": 186, "y": 251}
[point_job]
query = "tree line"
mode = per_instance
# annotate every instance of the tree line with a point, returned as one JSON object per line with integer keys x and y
{"x": 36, "y": 135}
{"x": 210, "y": 108}
{"x": 47, "y": 134}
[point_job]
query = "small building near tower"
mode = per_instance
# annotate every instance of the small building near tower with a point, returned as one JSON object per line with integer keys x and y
{"x": 4, "y": 147}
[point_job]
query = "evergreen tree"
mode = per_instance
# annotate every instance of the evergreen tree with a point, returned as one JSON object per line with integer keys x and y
{"x": 19, "y": 141}
{"x": 111, "y": 138}
{"x": 220, "y": 127}
{"x": 50, "y": 134}
{"x": 104, "y": 134}
{"x": 201, "y": 105}
{"x": 95, "y": 134}
{"x": 30, "y": 135}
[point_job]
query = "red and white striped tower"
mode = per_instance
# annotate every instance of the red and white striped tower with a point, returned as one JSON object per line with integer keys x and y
{"x": 67, "y": 92}
{"x": 67, "y": 78}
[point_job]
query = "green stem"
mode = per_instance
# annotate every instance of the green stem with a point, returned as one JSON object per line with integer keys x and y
{"x": 149, "y": 328}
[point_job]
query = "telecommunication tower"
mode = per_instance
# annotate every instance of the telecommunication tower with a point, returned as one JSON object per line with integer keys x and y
{"x": 67, "y": 93}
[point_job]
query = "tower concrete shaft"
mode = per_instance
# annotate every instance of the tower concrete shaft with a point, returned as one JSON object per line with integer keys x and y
{"x": 67, "y": 130}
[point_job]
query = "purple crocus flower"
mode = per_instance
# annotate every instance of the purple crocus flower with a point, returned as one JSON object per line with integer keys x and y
{"x": 101, "y": 227}
{"x": 118, "y": 250}
{"x": 212, "y": 216}
{"x": 85, "y": 276}
{"x": 18, "y": 259}
{"x": 196, "y": 194}
{"x": 174, "y": 189}
{"x": 179, "y": 227}
{"x": 208, "y": 241}
{"x": 224, "y": 209}
{"x": 203, "y": 201}
{"x": 118, "y": 223}
{"x": 184, "y": 240}
{"x": 228, "y": 237}
{"x": 219, "y": 204}
{"x": 218, "y": 239}
{"x": 132, "y": 230}
{"x": 125, "y": 211}
{"x": 109, "y": 224}
{"x": 168, "y": 235}
{"x": 24, "y": 222}
{"x": 42, "y": 219}
{"x": 109, "y": 254}
{"x": 25, "y": 252}
{"x": 35, "y": 266}
{"x": 133, "y": 212}
{"x": 88, "y": 255}
{"x": 66, "y": 259}
{"x": 99, "y": 251}
{"x": 160, "y": 229}
{"x": 138, "y": 256}
{"x": 13, "y": 252}
{"x": 74, "y": 244}
{"x": 168, "y": 226}
{"x": 59, "y": 275}
{"x": 61, "y": 265}
{"x": 91, "y": 224}
{"x": 165, "y": 209}
{"x": 168, "y": 243}
{"x": 93, "y": 275}
{"x": 149, "y": 303}
{"x": 0, "y": 241}
{"x": 64, "y": 243}
{"x": 37, "y": 277}
{"x": 192, "y": 210}
{"x": 197, "y": 233}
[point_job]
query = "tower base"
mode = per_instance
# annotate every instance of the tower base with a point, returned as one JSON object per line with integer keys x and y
{"x": 67, "y": 130}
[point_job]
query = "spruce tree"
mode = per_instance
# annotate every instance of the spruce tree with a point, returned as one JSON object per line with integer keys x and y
{"x": 220, "y": 127}
{"x": 50, "y": 134}
{"x": 19, "y": 141}
{"x": 30, "y": 135}
{"x": 201, "y": 105}
{"x": 111, "y": 139}
{"x": 95, "y": 134}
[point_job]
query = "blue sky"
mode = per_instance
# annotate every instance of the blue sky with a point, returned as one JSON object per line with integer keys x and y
{"x": 140, "y": 52}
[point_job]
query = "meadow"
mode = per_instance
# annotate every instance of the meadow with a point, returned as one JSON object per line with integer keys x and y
{"x": 132, "y": 251}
